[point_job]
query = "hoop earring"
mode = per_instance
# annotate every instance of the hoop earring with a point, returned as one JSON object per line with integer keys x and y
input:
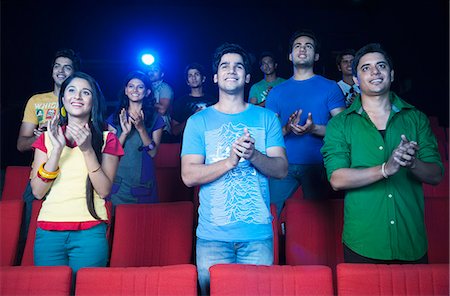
{"x": 63, "y": 112}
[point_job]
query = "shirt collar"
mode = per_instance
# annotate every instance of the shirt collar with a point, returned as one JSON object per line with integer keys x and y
{"x": 397, "y": 104}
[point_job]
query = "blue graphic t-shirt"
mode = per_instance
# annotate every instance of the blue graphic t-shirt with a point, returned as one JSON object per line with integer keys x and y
{"x": 235, "y": 207}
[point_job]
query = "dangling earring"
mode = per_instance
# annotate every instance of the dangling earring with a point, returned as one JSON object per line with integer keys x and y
{"x": 63, "y": 112}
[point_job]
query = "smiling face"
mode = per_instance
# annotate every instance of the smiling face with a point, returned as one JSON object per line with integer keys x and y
{"x": 303, "y": 52}
{"x": 231, "y": 75}
{"x": 62, "y": 68}
{"x": 345, "y": 66}
{"x": 77, "y": 98}
{"x": 135, "y": 90}
{"x": 374, "y": 76}
{"x": 268, "y": 65}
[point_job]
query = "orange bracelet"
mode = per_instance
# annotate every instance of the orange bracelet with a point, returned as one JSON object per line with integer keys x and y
{"x": 46, "y": 174}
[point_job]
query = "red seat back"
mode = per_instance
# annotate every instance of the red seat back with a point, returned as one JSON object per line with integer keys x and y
{"x": 16, "y": 180}
{"x": 378, "y": 279}
{"x": 152, "y": 234}
{"x": 10, "y": 220}
{"x": 241, "y": 279}
{"x": 166, "y": 280}
{"x": 27, "y": 258}
{"x": 35, "y": 280}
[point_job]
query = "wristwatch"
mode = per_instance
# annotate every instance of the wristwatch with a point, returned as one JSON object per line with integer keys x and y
{"x": 150, "y": 146}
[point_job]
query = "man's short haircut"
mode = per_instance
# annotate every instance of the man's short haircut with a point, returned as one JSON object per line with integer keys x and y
{"x": 195, "y": 66}
{"x": 343, "y": 53}
{"x": 267, "y": 54}
{"x": 369, "y": 48}
{"x": 70, "y": 54}
{"x": 307, "y": 33}
{"x": 231, "y": 48}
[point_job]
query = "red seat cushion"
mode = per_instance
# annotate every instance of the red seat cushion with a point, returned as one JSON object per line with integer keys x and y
{"x": 16, "y": 180}
{"x": 10, "y": 220}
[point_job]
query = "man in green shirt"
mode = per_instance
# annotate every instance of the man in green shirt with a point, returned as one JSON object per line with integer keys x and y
{"x": 260, "y": 90}
{"x": 380, "y": 150}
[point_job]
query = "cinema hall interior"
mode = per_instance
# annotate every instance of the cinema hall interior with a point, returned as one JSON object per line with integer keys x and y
{"x": 169, "y": 147}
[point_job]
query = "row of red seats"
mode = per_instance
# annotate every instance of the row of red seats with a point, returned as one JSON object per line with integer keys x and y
{"x": 168, "y": 177}
{"x": 230, "y": 279}
{"x": 143, "y": 234}
{"x": 163, "y": 234}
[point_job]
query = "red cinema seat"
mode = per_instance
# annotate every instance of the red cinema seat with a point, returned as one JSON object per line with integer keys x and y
{"x": 168, "y": 155}
{"x": 152, "y": 234}
{"x": 165, "y": 280}
{"x": 380, "y": 279}
{"x": 16, "y": 180}
{"x": 27, "y": 258}
{"x": 310, "y": 233}
{"x": 241, "y": 279}
{"x": 437, "y": 225}
{"x": 35, "y": 280}
{"x": 10, "y": 220}
{"x": 170, "y": 185}
{"x": 276, "y": 244}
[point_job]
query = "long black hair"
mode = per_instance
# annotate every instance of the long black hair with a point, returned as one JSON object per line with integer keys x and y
{"x": 148, "y": 102}
{"x": 96, "y": 124}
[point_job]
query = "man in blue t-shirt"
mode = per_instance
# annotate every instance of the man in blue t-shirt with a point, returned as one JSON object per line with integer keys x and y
{"x": 304, "y": 104}
{"x": 230, "y": 149}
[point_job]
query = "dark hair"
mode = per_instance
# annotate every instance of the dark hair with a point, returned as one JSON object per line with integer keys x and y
{"x": 343, "y": 53}
{"x": 195, "y": 66}
{"x": 231, "y": 48}
{"x": 96, "y": 124}
{"x": 147, "y": 103}
{"x": 369, "y": 48}
{"x": 267, "y": 54}
{"x": 307, "y": 33}
{"x": 70, "y": 54}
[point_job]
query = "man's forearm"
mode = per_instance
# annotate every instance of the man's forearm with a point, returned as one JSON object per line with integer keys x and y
{"x": 24, "y": 143}
{"x": 275, "y": 167}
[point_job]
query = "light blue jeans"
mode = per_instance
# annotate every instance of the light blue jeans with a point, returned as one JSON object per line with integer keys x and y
{"x": 210, "y": 253}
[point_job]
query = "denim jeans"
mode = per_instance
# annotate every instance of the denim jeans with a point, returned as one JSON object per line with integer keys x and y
{"x": 77, "y": 249}
{"x": 210, "y": 253}
{"x": 312, "y": 178}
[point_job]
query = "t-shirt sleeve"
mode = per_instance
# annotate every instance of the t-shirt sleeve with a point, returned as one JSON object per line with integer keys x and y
{"x": 335, "y": 97}
{"x": 178, "y": 110}
{"x": 166, "y": 92}
{"x": 40, "y": 143}
{"x": 159, "y": 123}
{"x": 113, "y": 146}
{"x": 335, "y": 150}
{"x": 193, "y": 137}
{"x": 274, "y": 133}
{"x": 252, "y": 93}
{"x": 29, "y": 115}
{"x": 271, "y": 101}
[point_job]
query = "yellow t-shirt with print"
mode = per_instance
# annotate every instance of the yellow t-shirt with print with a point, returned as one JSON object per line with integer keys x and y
{"x": 40, "y": 108}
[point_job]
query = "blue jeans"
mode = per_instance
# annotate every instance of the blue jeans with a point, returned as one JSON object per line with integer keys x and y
{"x": 210, "y": 253}
{"x": 312, "y": 178}
{"x": 77, "y": 249}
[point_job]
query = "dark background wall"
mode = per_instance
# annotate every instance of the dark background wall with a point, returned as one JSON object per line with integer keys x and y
{"x": 110, "y": 36}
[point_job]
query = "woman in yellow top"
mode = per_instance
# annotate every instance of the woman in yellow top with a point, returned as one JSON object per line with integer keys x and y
{"x": 75, "y": 162}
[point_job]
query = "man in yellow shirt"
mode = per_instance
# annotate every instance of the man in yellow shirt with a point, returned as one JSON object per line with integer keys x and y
{"x": 43, "y": 106}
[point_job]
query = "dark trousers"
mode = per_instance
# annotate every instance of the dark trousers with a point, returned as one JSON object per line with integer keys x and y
{"x": 351, "y": 257}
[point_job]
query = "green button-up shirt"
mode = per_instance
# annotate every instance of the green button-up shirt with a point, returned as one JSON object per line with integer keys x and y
{"x": 383, "y": 220}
